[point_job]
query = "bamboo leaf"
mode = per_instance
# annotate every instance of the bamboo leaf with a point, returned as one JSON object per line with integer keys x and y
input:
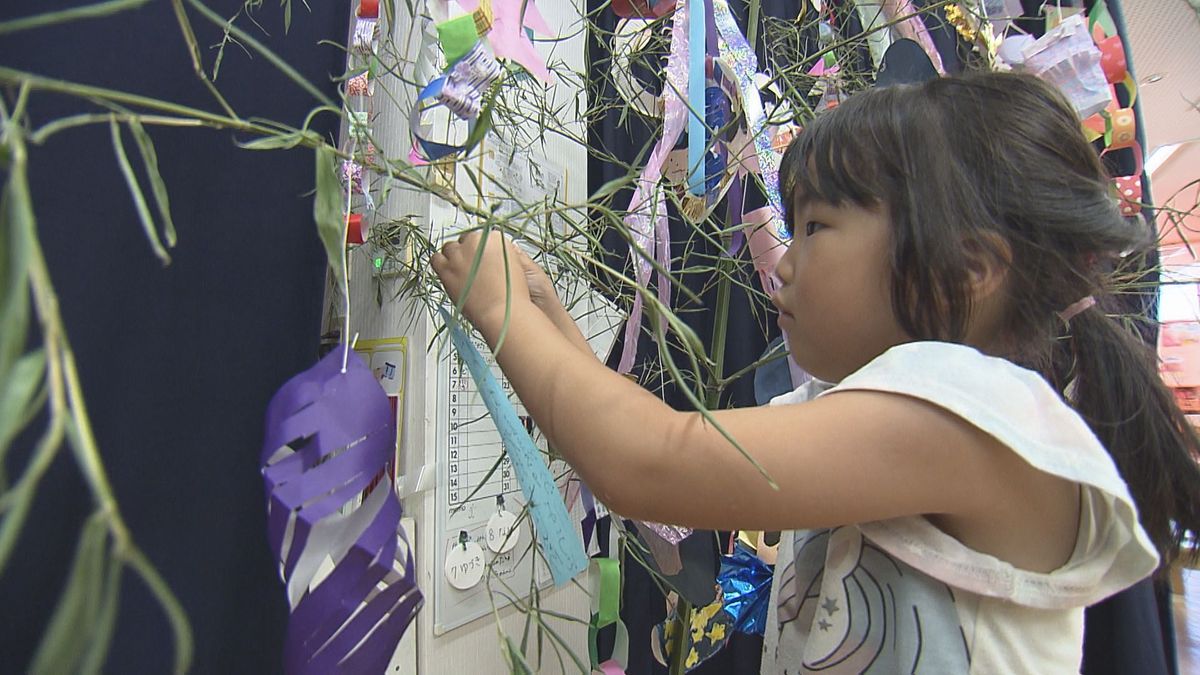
{"x": 16, "y": 229}
{"x": 327, "y": 212}
{"x": 515, "y": 659}
{"x": 180, "y": 627}
{"x": 157, "y": 186}
{"x": 610, "y": 187}
{"x": 280, "y": 142}
{"x": 64, "y": 640}
{"x": 135, "y": 191}
{"x": 15, "y": 397}
{"x": 105, "y": 621}
{"x": 95, "y": 11}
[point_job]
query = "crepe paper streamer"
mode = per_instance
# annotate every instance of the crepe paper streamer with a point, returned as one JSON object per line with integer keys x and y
{"x": 354, "y": 229}
{"x": 696, "y": 100}
{"x": 737, "y": 51}
{"x": 746, "y": 589}
{"x": 646, "y": 216}
{"x": 329, "y": 435}
{"x": 913, "y": 28}
{"x": 560, "y": 543}
{"x": 1068, "y": 58}
{"x": 508, "y": 36}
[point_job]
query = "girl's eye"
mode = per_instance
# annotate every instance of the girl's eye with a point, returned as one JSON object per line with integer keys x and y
{"x": 812, "y": 226}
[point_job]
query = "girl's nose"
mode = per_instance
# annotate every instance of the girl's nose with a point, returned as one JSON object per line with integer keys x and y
{"x": 783, "y": 270}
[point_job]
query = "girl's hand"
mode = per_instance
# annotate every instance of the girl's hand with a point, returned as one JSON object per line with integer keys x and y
{"x": 486, "y": 298}
{"x": 541, "y": 289}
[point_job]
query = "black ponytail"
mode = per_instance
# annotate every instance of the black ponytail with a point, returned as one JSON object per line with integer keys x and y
{"x": 1118, "y": 391}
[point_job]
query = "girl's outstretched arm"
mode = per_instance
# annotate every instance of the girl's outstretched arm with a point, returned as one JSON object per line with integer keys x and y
{"x": 847, "y": 458}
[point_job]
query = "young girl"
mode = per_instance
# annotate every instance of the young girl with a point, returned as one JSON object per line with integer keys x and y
{"x": 953, "y": 504}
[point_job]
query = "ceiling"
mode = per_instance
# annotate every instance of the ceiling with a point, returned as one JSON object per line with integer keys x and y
{"x": 1164, "y": 42}
{"x": 1163, "y": 45}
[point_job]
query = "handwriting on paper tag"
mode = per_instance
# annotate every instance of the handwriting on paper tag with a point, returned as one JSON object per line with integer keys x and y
{"x": 557, "y": 535}
{"x": 464, "y": 565}
{"x": 502, "y": 532}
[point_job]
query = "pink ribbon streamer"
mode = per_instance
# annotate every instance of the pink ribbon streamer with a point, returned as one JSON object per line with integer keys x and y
{"x": 653, "y": 239}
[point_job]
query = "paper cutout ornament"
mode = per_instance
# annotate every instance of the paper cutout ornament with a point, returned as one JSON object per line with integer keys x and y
{"x": 329, "y": 437}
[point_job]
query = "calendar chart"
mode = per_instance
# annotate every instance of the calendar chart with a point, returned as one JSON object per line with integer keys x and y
{"x": 484, "y": 537}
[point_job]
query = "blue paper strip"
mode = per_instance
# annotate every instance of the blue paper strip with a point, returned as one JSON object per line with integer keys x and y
{"x": 555, "y": 532}
{"x": 696, "y": 127}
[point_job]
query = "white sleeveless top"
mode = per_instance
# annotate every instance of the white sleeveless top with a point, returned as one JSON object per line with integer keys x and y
{"x": 900, "y": 595}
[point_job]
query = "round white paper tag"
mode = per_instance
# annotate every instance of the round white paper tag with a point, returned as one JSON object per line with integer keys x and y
{"x": 498, "y": 528}
{"x": 464, "y": 565}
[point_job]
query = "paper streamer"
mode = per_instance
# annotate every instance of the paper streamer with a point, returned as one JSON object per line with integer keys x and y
{"x": 696, "y": 103}
{"x": 555, "y": 532}
{"x": 647, "y": 213}
{"x": 329, "y": 436}
{"x": 737, "y": 51}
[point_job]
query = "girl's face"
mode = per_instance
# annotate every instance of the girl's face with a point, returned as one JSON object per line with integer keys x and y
{"x": 835, "y": 302}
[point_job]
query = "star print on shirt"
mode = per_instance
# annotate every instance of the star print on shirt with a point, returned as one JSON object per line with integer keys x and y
{"x": 824, "y": 625}
{"x": 830, "y": 606}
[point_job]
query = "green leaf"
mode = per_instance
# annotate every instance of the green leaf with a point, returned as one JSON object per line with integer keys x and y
{"x": 280, "y": 142}
{"x": 287, "y": 14}
{"x": 94, "y": 11}
{"x": 135, "y": 191}
{"x": 16, "y": 395}
{"x": 105, "y": 622}
{"x": 157, "y": 186}
{"x": 517, "y": 665}
{"x": 327, "y": 212}
{"x": 610, "y": 187}
{"x": 65, "y": 638}
{"x": 16, "y": 229}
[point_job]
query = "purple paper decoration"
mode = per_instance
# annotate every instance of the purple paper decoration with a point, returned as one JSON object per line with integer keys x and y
{"x": 329, "y": 435}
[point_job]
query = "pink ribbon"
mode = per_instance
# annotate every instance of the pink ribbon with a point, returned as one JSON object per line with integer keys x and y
{"x": 654, "y": 239}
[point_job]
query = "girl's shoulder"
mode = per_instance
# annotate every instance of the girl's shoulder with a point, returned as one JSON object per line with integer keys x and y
{"x": 1023, "y": 412}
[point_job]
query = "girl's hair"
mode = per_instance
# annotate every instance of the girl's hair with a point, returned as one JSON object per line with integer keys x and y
{"x": 995, "y": 164}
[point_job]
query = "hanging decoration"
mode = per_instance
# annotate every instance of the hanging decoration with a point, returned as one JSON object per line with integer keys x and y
{"x": 330, "y": 434}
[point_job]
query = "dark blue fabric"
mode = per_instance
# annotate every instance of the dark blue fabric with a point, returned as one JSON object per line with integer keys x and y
{"x": 177, "y": 363}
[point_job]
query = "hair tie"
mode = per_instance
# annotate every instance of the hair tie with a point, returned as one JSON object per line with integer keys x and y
{"x": 1075, "y": 308}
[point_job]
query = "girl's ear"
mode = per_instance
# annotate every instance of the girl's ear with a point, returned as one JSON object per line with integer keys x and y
{"x": 989, "y": 258}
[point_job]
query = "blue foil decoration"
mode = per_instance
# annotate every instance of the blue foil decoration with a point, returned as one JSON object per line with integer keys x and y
{"x": 746, "y": 584}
